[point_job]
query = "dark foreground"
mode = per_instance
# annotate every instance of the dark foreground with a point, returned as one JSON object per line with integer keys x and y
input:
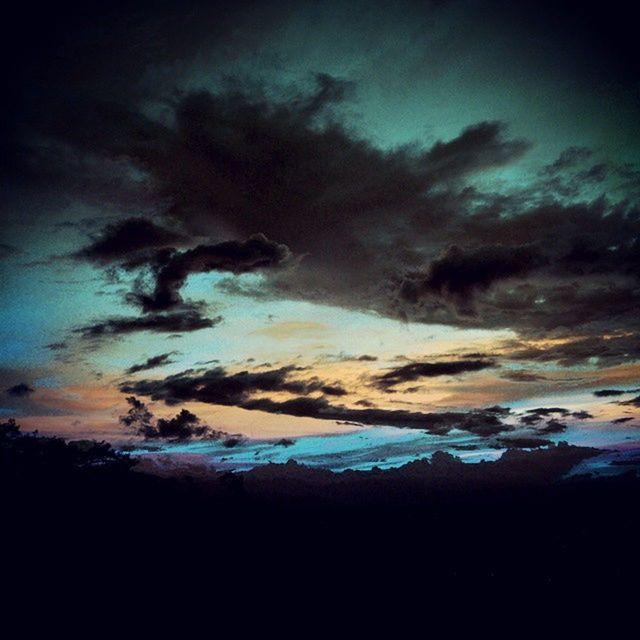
{"x": 82, "y": 514}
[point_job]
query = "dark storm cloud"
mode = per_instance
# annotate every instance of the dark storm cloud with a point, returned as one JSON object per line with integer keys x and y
{"x": 478, "y": 147}
{"x": 152, "y": 363}
{"x": 458, "y": 274}
{"x": 157, "y": 323}
{"x": 288, "y": 169}
{"x": 123, "y": 241}
{"x": 173, "y": 268}
{"x": 72, "y": 54}
{"x": 588, "y": 238}
{"x": 21, "y": 390}
{"x": 370, "y": 225}
{"x": 580, "y": 281}
{"x": 111, "y": 50}
{"x": 622, "y": 420}
{"x": 404, "y": 232}
{"x": 417, "y": 370}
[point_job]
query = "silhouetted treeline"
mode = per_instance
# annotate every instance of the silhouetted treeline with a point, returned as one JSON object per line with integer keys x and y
{"x": 86, "y": 508}
{"x": 24, "y": 455}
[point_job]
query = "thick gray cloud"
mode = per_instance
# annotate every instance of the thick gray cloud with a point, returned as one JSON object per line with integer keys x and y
{"x": 172, "y": 268}
{"x": 400, "y": 232}
{"x": 129, "y": 241}
{"x": 458, "y": 274}
{"x": 394, "y": 231}
{"x": 408, "y": 232}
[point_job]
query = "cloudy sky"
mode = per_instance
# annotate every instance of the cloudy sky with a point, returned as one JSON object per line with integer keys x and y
{"x": 288, "y": 217}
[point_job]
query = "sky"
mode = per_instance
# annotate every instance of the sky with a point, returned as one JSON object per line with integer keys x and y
{"x": 279, "y": 219}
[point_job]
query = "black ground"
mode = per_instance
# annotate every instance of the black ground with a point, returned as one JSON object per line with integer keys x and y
{"x": 79, "y": 514}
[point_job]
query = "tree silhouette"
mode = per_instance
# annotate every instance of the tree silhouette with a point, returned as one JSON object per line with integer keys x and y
{"x": 183, "y": 426}
{"x": 24, "y": 454}
{"x": 139, "y": 418}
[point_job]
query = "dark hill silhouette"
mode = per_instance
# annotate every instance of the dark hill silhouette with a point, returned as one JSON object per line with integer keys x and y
{"x": 83, "y": 507}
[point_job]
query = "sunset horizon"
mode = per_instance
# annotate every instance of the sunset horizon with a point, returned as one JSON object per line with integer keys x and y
{"x": 351, "y": 252}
